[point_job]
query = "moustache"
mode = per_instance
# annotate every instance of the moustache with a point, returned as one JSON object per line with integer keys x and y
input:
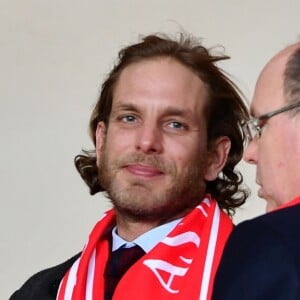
{"x": 149, "y": 160}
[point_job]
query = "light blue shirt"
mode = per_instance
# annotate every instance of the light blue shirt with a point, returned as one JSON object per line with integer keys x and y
{"x": 147, "y": 240}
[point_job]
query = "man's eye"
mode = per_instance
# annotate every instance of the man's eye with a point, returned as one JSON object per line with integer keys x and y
{"x": 177, "y": 125}
{"x": 128, "y": 119}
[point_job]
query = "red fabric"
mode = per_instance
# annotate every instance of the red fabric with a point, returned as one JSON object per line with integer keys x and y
{"x": 181, "y": 266}
{"x": 290, "y": 203}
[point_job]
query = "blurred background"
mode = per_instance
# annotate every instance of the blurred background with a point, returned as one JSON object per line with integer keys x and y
{"x": 54, "y": 56}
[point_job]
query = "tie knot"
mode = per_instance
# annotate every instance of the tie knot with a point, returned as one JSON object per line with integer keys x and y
{"x": 118, "y": 263}
{"x": 121, "y": 259}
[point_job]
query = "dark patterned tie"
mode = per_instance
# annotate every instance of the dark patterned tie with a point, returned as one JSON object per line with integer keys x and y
{"x": 118, "y": 263}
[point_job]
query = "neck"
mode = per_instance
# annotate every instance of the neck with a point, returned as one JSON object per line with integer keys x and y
{"x": 129, "y": 230}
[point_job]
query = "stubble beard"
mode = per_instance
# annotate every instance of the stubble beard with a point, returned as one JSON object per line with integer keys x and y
{"x": 139, "y": 200}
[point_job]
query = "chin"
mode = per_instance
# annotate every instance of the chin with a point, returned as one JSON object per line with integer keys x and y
{"x": 140, "y": 212}
{"x": 272, "y": 204}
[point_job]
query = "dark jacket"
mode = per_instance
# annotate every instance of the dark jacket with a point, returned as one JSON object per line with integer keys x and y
{"x": 261, "y": 260}
{"x": 44, "y": 285}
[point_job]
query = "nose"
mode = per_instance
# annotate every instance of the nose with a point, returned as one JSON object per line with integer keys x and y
{"x": 250, "y": 154}
{"x": 149, "y": 139}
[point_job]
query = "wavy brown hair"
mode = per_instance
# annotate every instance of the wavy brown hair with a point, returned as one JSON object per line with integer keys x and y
{"x": 225, "y": 110}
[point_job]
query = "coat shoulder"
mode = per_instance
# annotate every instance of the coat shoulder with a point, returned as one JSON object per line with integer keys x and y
{"x": 284, "y": 224}
{"x": 261, "y": 259}
{"x": 44, "y": 284}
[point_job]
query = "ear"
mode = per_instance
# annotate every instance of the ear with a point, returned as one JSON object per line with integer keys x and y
{"x": 100, "y": 136}
{"x": 217, "y": 157}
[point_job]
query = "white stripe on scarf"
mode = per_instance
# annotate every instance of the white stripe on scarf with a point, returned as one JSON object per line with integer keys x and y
{"x": 210, "y": 254}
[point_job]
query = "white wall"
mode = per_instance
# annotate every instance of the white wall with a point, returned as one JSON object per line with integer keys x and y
{"x": 53, "y": 56}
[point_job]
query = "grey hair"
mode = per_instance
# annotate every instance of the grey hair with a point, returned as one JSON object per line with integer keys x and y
{"x": 292, "y": 78}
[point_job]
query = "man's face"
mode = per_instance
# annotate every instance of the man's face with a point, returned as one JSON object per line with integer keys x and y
{"x": 277, "y": 152}
{"x": 153, "y": 156}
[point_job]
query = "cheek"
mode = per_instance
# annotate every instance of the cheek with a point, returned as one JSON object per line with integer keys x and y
{"x": 185, "y": 155}
{"x": 267, "y": 161}
{"x": 272, "y": 155}
{"x": 118, "y": 141}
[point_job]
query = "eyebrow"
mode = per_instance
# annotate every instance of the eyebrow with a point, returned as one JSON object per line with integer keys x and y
{"x": 125, "y": 106}
{"x": 169, "y": 110}
{"x": 174, "y": 111}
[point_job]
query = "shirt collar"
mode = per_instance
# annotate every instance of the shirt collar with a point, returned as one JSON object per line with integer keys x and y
{"x": 147, "y": 240}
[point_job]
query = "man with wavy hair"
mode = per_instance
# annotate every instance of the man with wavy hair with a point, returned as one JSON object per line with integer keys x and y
{"x": 261, "y": 259}
{"x": 167, "y": 137}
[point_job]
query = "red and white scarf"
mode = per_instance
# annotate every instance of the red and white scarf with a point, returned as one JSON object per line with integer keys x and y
{"x": 181, "y": 266}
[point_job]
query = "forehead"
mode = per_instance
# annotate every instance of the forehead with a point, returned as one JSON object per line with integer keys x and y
{"x": 161, "y": 79}
{"x": 269, "y": 90}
